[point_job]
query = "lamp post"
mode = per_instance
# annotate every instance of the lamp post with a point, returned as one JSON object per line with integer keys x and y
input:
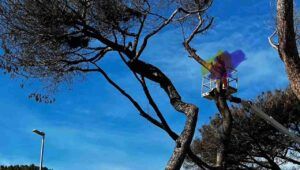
{"x": 42, "y": 146}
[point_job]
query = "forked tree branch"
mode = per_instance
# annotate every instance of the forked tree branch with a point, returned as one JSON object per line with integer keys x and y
{"x": 145, "y": 41}
{"x": 191, "y": 111}
{"x": 199, "y": 29}
{"x": 191, "y": 51}
{"x": 167, "y": 128}
{"x": 166, "y": 22}
{"x": 165, "y": 125}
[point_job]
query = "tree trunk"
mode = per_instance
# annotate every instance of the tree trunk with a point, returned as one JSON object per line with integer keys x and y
{"x": 287, "y": 43}
{"x": 220, "y": 99}
{"x": 226, "y": 127}
{"x": 191, "y": 111}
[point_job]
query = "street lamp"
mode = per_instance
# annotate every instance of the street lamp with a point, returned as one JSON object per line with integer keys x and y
{"x": 42, "y": 147}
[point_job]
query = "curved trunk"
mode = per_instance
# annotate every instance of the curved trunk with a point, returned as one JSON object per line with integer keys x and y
{"x": 287, "y": 43}
{"x": 191, "y": 111}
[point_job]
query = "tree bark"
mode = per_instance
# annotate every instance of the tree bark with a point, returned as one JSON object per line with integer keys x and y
{"x": 225, "y": 131}
{"x": 287, "y": 43}
{"x": 191, "y": 111}
{"x": 165, "y": 126}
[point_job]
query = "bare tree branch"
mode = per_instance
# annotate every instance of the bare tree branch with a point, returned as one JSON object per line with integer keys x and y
{"x": 145, "y": 41}
{"x": 136, "y": 40}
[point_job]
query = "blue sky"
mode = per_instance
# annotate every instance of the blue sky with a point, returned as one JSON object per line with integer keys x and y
{"x": 91, "y": 126}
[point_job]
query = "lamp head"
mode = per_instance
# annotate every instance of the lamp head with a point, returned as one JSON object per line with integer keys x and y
{"x": 38, "y": 132}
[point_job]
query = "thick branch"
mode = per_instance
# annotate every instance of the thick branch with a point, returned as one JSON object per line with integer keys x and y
{"x": 191, "y": 111}
{"x": 191, "y": 51}
{"x": 194, "y": 55}
{"x": 165, "y": 125}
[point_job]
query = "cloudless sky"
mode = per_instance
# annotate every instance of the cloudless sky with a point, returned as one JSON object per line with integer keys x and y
{"x": 92, "y": 127}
